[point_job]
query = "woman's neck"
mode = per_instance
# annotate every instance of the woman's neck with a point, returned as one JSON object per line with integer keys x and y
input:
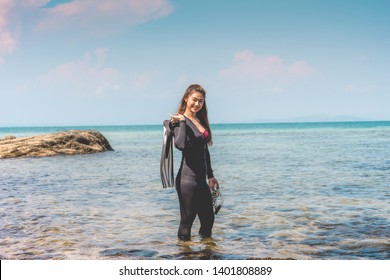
{"x": 190, "y": 115}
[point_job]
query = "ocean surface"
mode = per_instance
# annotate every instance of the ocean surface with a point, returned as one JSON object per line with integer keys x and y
{"x": 291, "y": 191}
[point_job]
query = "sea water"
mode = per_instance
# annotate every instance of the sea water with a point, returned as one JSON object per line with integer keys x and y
{"x": 291, "y": 191}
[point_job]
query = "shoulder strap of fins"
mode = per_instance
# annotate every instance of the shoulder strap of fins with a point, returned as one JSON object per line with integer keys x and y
{"x": 166, "y": 162}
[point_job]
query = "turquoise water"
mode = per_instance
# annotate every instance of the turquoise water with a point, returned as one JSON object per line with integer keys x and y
{"x": 293, "y": 190}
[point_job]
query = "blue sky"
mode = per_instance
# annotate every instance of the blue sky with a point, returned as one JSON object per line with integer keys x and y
{"x": 89, "y": 62}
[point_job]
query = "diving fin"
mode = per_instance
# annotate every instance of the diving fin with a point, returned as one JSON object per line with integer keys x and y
{"x": 166, "y": 162}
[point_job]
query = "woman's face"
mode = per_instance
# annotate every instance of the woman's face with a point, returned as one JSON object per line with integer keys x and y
{"x": 195, "y": 102}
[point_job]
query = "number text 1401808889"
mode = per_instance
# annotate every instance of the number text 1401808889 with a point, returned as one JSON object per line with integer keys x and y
{"x": 242, "y": 270}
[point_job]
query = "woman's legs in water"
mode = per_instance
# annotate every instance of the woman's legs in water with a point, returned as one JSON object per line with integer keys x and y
{"x": 205, "y": 211}
{"x": 194, "y": 198}
{"x": 185, "y": 188}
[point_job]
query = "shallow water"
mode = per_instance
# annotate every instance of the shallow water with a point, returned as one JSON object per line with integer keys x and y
{"x": 302, "y": 191}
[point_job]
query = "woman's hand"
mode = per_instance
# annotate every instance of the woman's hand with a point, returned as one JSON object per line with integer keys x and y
{"x": 213, "y": 183}
{"x": 177, "y": 118}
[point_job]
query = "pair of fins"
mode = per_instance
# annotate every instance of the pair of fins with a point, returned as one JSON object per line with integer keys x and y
{"x": 166, "y": 162}
{"x": 166, "y": 166}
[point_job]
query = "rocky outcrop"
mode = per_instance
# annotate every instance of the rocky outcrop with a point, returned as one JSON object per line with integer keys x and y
{"x": 65, "y": 143}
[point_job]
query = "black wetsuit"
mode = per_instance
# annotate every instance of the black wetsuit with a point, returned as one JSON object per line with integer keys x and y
{"x": 191, "y": 185}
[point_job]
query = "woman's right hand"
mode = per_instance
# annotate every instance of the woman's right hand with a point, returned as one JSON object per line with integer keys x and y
{"x": 177, "y": 118}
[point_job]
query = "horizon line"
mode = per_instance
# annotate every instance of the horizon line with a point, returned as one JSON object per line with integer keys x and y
{"x": 215, "y": 123}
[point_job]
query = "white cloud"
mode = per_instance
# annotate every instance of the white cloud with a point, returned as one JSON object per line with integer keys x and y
{"x": 103, "y": 16}
{"x": 34, "y": 3}
{"x": 141, "y": 81}
{"x": 83, "y": 77}
{"x": 249, "y": 66}
{"x": 8, "y": 41}
{"x": 299, "y": 69}
{"x": 13, "y": 14}
{"x": 87, "y": 16}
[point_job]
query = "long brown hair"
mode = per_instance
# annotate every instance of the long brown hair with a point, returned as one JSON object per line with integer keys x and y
{"x": 202, "y": 114}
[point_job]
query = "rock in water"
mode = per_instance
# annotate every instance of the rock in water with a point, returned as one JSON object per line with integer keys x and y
{"x": 71, "y": 142}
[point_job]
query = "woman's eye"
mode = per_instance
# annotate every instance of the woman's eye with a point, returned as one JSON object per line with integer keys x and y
{"x": 199, "y": 100}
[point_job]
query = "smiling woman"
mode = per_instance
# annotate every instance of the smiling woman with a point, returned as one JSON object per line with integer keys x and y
{"x": 192, "y": 137}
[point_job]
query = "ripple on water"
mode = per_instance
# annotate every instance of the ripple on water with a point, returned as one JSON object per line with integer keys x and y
{"x": 134, "y": 253}
{"x": 306, "y": 193}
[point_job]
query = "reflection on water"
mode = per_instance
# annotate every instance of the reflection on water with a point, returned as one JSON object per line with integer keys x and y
{"x": 186, "y": 250}
{"x": 289, "y": 193}
{"x": 206, "y": 249}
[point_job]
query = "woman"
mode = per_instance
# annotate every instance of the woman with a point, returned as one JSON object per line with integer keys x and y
{"x": 192, "y": 137}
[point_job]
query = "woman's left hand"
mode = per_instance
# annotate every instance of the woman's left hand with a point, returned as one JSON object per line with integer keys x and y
{"x": 177, "y": 118}
{"x": 213, "y": 183}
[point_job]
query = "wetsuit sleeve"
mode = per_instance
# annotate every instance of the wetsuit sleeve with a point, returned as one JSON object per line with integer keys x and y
{"x": 180, "y": 135}
{"x": 208, "y": 164}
